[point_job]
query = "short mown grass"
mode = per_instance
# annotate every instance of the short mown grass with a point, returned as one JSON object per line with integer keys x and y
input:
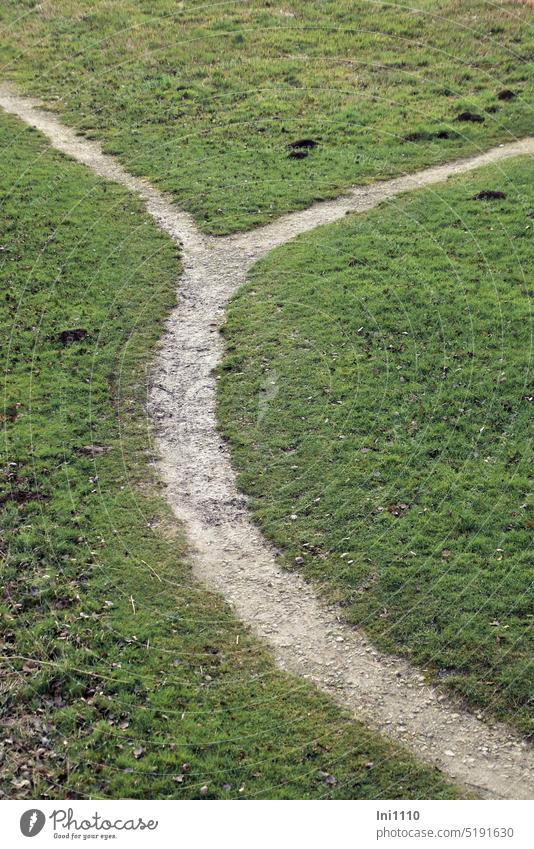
{"x": 377, "y": 393}
{"x": 203, "y": 98}
{"x": 120, "y": 676}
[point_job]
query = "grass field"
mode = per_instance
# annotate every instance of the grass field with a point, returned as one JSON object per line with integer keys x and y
{"x": 376, "y": 390}
{"x": 204, "y": 98}
{"x": 377, "y": 394}
{"x": 120, "y": 677}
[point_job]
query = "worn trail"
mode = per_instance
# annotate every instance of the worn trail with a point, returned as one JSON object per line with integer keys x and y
{"x": 227, "y": 550}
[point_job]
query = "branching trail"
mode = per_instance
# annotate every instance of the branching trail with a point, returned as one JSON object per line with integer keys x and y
{"x": 227, "y": 550}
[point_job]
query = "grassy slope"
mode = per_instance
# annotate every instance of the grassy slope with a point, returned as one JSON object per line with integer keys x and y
{"x": 116, "y": 668}
{"x": 204, "y": 97}
{"x": 377, "y": 394}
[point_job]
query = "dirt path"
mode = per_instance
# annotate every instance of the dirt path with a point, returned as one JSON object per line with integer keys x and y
{"x": 227, "y": 551}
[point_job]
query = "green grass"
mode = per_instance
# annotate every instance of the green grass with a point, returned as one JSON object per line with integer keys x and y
{"x": 377, "y": 394}
{"x": 120, "y": 676}
{"x": 203, "y": 98}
